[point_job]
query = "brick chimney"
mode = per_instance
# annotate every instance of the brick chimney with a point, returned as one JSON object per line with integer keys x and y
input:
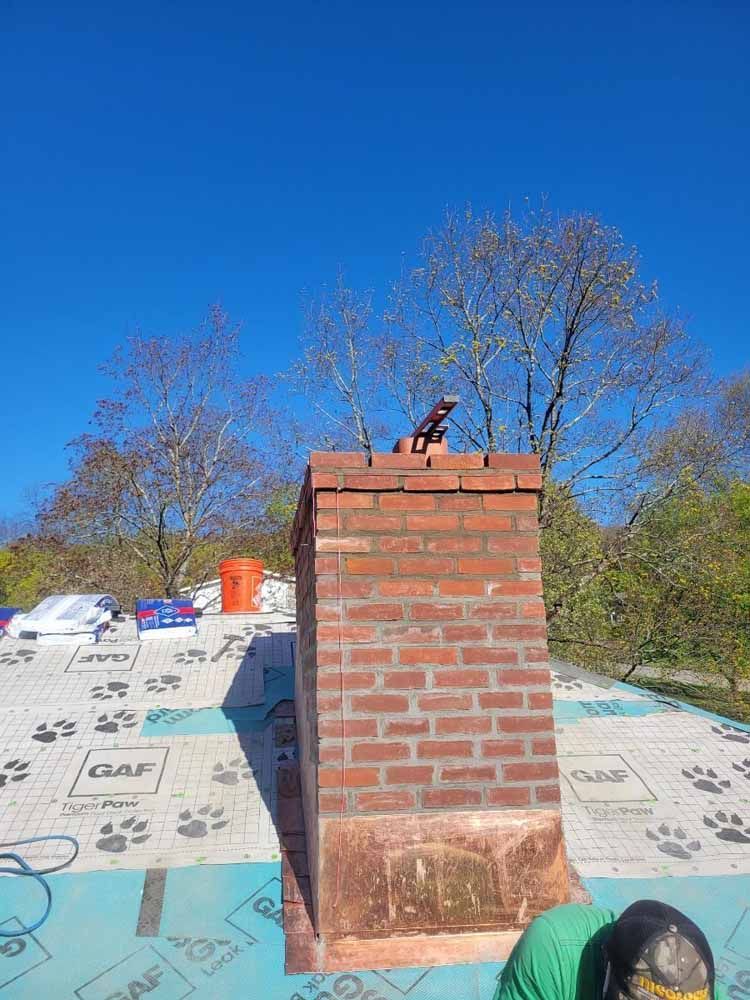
{"x": 426, "y": 741}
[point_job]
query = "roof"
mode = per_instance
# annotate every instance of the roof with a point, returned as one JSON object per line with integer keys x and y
{"x": 179, "y": 870}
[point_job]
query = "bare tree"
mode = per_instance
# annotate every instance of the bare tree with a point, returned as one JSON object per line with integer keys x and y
{"x": 170, "y": 466}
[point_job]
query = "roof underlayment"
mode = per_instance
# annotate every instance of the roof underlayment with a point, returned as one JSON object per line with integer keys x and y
{"x": 178, "y": 880}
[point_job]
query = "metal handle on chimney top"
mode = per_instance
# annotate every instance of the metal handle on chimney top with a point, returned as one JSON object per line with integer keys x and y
{"x": 429, "y": 436}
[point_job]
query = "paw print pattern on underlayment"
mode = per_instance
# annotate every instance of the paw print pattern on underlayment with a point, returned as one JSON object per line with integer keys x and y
{"x": 743, "y": 766}
{"x": 50, "y": 734}
{"x": 191, "y": 657}
{"x": 115, "y": 841}
{"x": 564, "y": 682}
{"x": 14, "y": 770}
{"x": 730, "y": 828}
{"x": 234, "y": 771}
{"x": 118, "y": 720}
{"x": 17, "y": 656}
{"x": 674, "y": 842}
{"x": 114, "y": 689}
{"x": 731, "y": 733}
{"x": 165, "y": 682}
{"x": 706, "y": 780}
{"x": 196, "y": 828}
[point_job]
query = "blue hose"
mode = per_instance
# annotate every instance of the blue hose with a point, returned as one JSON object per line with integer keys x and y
{"x": 36, "y": 873}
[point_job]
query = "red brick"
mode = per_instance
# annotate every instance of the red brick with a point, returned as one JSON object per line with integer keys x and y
{"x": 430, "y": 484}
{"x": 328, "y": 657}
{"x": 529, "y": 481}
{"x": 510, "y": 501}
{"x": 375, "y": 612}
{"x": 407, "y": 679}
{"x": 329, "y": 703}
{"x": 351, "y": 681}
{"x": 539, "y": 654}
{"x": 517, "y": 633}
{"x": 529, "y": 564}
{"x": 527, "y": 522}
{"x": 537, "y": 771}
{"x": 488, "y": 522}
{"x": 456, "y": 461}
{"x": 403, "y": 501}
{"x": 407, "y": 634}
{"x": 488, "y": 654}
{"x": 330, "y": 754}
{"x": 439, "y": 798}
{"x": 480, "y": 772}
{"x": 406, "y": 588}
{"x": 533, "y": 609}
{"x": 425, "y": 566}
{"x": 391, "y": 460}
{"x": 380, "y": 703}
{"x": 338, "y": 459}
{"x": 495, "y": 609}
{"x": 345, "y": 633}
{"x": 344, "y": 501}
{"x": 369, "y": 566}
{"x": 501, "y": 699}
{"x": 326, "y": 612}
{"x": 461, "y": 543}
{"x": 370, "y": 482}
{"x": 487, "y": 483}
{"x": 516, "y": 588}
{"x": 544, "y": 747}
{"x": 436, "y": 612}
{"x": 463, "y": 724}
{"x": 444, "y": 748}
{"x": 326, "y": 564}
{"x": 457, "y": 502}
{"x": 461, "y": 588}
{"x": 547, "y": 793}
{"x": 510, "y": 544}
{"x": 432, "y": 522}
{"x": 333, "y": 729}
{"x": 385, "y": 801}
{"x": 445, "y": 655}
{"x": 522, "y": 678}
{"x": 330, "y": 777}
{"x": 408, "y": 775}
{"x": 371, "y": 657}
{"x": 508, "y": 796}
{"x": 465, "y": 633}
{"x": 329, "y": 802}
{"x": 343, "y": 588}
{"x": 327, "y": 521}
{"x": 522, "y": 724}
{"x": 403, "y": 543}
{"x": 324, "y": 481}
{"x": 407, "y": 727}
{"x": 539, "y": 699}
{"x": 373, "y": 751}
{"x": 486, "y": 565}
{"x": 373, "y": 522}
{"x": 513, "y": 462}
{"x": 435, "y": 702}
{"x": 460, "y": 678}
{"x": 503, "y": 748}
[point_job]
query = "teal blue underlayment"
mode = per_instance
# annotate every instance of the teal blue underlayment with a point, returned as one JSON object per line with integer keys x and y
{"x": 220, "y": 933}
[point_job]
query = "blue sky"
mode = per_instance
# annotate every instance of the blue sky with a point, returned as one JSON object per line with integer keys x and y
{"x": 157, "y": 157}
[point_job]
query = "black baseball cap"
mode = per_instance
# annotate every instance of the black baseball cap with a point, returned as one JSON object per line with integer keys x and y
{"x": 654, "y": 951}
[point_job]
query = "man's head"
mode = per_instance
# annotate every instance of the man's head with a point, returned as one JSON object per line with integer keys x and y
{"x": 657, "y": 953}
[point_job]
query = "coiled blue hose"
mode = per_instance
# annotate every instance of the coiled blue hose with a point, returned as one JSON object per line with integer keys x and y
{"x": 36, "y": 873}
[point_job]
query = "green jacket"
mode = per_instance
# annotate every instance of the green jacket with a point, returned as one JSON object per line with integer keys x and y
{"x": 559, "y": 957}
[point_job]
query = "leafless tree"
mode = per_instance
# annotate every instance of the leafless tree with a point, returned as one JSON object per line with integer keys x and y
{"x": 170, "y": 465}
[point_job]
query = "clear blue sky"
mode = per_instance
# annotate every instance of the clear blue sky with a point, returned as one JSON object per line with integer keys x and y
{"x": 159, "y": 156}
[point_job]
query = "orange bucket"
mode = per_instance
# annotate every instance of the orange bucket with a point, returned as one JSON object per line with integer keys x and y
{"x": 241, "y": 580}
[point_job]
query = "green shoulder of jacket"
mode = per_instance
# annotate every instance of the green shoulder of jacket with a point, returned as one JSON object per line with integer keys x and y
{"x": 559, "y": 956}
